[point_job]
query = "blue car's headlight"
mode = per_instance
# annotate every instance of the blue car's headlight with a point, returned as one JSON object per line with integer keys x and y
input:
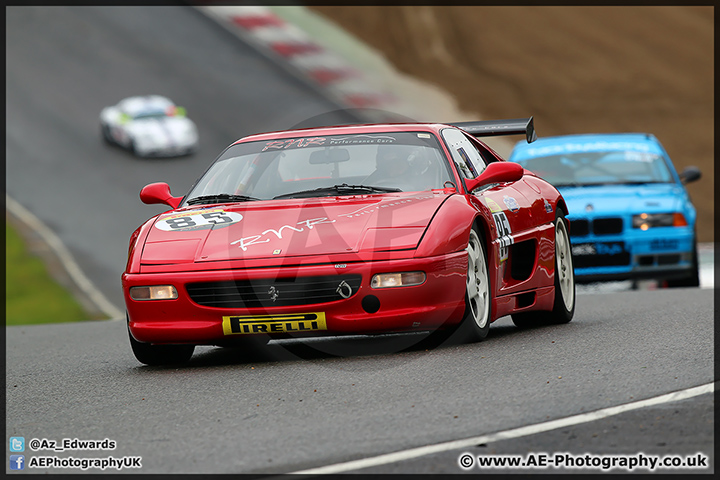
{"x": 648, "y": 220}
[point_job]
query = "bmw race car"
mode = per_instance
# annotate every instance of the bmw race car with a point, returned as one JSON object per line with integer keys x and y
{"x": 149, "y": 126}
{"x": 360, "y": 229}
{"x": 630, "y": 214}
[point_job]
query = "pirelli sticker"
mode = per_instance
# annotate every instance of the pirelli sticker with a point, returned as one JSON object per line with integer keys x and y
{"x": 300, "y": 322}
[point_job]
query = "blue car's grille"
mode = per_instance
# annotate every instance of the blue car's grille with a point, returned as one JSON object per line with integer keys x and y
{"x": 607, "y": 226}
{"x": 281, "y": 292}
{"x": 599, "y": 226}
{"x": 579, "y": 228}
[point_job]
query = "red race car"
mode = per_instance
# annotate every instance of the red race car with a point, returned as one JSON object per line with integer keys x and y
{"x": 360, "y": 229}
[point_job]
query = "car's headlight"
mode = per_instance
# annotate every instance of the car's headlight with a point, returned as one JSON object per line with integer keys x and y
{"x": 155, "y": 292}
{"x": 649, "y": 220}
{"x": 405, "y": 279}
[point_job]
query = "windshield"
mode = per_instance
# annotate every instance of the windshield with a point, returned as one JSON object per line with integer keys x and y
{"x": 305, "y": 167}
{"x": 152, "y": 114}
{"x": 600, "y": 168}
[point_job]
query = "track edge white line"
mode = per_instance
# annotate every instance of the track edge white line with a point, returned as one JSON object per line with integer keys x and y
{"x": 528, "y": 430}
{"x": 65, "y": 257}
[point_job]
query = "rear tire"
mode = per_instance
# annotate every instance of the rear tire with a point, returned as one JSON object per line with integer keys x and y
{"x": 564, "y": 305}
{"x": 160, "y": 354}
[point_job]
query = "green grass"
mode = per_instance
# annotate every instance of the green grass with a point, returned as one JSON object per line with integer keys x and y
{"x": 32, "y": 296}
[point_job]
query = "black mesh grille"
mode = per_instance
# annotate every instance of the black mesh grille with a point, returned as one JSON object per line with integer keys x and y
{"x": 281, "y": 292}
{"x": 670, "y": 259}
{"x": 579, "y": 228}
{"x": 645, "y": 260}
{"x": 584, "y": 261}
{"x": 607, "y": 226}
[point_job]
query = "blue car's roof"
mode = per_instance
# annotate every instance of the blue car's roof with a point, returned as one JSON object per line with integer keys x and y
{"x": 596, "y": 142}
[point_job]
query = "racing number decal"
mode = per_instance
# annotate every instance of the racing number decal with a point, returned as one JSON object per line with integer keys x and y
{"x": 217, "y": 217}
{"x": 504, "y": 234}
{"x": 176, "y": 223}
{"x": 196, "y": 220}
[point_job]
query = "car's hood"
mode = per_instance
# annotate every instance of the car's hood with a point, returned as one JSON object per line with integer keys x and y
{"x": 282, "y": 228}
{"x": 603, "y": 200}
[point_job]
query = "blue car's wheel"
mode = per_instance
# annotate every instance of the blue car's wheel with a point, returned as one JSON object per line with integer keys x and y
{"x": 691, "y": 280}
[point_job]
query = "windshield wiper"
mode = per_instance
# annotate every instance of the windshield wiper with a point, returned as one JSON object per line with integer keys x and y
{"x": 343, "y": 189}
{"x": 220, "y": 198}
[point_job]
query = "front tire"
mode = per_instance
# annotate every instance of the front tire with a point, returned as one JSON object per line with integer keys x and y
{"x": 478, "y": 300}
{"x": 564, "y": 305}
{"x": 105, "y": 133}
{"x": 692, "y": 280}
{"x": 160, "y": 354}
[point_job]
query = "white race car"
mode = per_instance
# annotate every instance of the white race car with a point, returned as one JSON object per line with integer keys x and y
{"x": 149, "y": 126}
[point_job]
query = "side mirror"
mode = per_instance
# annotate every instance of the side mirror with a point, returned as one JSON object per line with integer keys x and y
{"x": 496, "y": 172}
{"x": 159, "y": 193}
{"x": 690, "y": 174}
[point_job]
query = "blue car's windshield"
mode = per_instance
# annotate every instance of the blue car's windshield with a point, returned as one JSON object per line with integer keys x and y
{"x": 600, "y": 168}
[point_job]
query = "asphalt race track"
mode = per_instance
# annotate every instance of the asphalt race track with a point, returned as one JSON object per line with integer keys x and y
{"x": 66, "y": 64}
{"x": 292, "y": 406}
{"x": 297, "y": 406}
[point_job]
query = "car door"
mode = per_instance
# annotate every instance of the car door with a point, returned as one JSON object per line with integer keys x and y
{"x": 510, "y": 204}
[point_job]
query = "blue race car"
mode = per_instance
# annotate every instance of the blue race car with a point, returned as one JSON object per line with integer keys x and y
{"x": 630, "y": 215}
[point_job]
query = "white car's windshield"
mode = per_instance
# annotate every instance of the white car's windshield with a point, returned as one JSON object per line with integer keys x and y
{"x": 323, "y": 166}
{"x": 600, "y": 168}
{"x": 148, "y": 115}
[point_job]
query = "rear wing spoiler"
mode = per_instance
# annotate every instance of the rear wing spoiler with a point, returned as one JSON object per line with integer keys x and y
{"x": 489, "y": 128}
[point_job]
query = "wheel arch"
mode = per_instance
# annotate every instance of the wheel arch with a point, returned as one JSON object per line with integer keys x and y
{"x": 562, "y": 206}
{"x": 449, "y": 229}
{"x": 481, "y": 225}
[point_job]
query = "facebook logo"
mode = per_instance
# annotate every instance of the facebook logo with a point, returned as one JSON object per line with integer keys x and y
{"x": 17, "y": 444}
{"x": 17, "y": 462}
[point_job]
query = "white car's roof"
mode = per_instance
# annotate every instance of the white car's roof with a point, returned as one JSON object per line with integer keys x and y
{"x": 146, "y": 103}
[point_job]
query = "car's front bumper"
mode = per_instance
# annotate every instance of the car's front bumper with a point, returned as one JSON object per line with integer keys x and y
{"x": 438, "y": 301}
{"x": 167, "y": 151}
{"x": 661, "y": 253}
